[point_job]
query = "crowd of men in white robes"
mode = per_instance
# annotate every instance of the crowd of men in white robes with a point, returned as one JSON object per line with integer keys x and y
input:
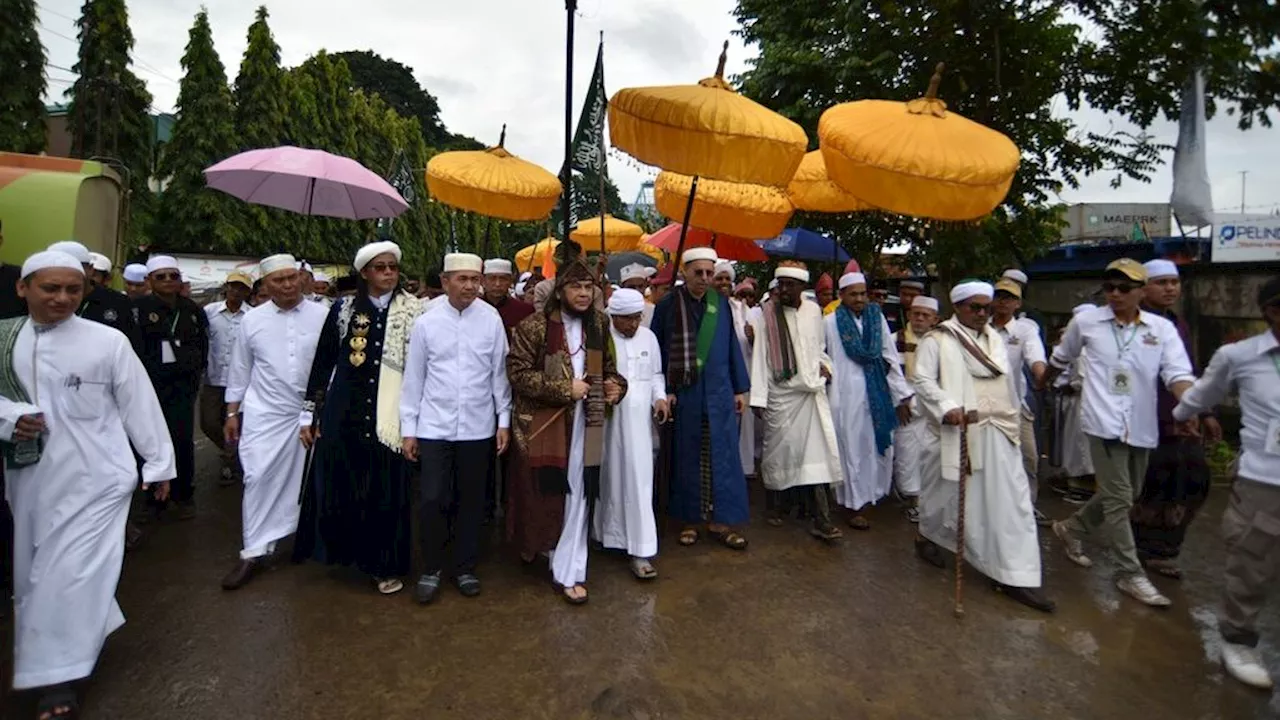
{"x": 572, "y": 415}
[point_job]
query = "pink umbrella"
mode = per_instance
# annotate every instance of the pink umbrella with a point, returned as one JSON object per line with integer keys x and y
{"x": 309, "y": 182}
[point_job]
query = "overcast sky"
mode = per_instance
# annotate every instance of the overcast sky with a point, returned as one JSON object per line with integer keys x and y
{"x": 495, "y": 61}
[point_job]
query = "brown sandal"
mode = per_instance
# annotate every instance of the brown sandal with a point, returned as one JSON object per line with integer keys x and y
{"x": 688, "y": 536}
{"x": 571, "y": 599}
{"x": 857, "y": 522}
{"x": 730, "y": 539}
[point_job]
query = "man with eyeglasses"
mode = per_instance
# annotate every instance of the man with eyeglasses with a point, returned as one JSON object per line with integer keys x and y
{"x": 1026, "y": 352}
{"x": 1127, "y": 353}
{"x": 965, "y": 385}
{"x": 175, "y": 349}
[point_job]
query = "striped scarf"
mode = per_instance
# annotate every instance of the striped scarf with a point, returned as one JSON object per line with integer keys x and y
{"x": 782, "y": 354}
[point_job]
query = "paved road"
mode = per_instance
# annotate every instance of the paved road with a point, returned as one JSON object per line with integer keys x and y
{"x": 790, "y": 629}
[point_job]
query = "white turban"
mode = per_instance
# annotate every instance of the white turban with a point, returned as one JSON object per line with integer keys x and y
{"x": 699, "y": 253}
{"x": 51, "y": 259}
{"x": 626, "y": 302}
{"x": 461, "y": 262}
{"x": 165, "y": 262}
{"x": 498, "y": 266}
{"x": 373, "y": 250}
{"x": 304, "y": 266}
{"x": 1160, "y": 268}
{"x": 135, "y": 273}
{"x": 1015, "y": 275}
{"x": 320, "y": 276}
{"x": 518, "y": 290}
{"x": 1083, "y": 307}
{"x": 100, "y": 262}
{"x": 926, "y": 302}
{"x": 972, "y": 288}
{"x": 793, "y": 273}
{"x": 854, "y": 278}
{"x": 74, "y": 249}
{"x": 275, "y": 263}
{"x": 724, "y": 266}
{"x": 773, "y": 283}
{"x": 525, "y": 275}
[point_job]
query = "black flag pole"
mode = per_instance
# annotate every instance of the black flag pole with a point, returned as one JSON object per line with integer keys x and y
{"x": 571, "y": 8}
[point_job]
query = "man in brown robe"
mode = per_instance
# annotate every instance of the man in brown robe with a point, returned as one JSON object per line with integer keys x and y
{"x": 563, "y": 373}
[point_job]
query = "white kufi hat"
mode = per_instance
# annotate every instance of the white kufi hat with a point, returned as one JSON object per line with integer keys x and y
{"x": 373, "y": 250}
{"x": 156, "y": 263}
{"x": 276, "y": 263}
{"x": 462, "y": 262}
{"x": 51, "y": 259}
{"x": 625, "y": 301}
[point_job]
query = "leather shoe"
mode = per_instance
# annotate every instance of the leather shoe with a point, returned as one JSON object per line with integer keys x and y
{"x": 241, "y": 575}
{"x": 1033, "y": 598}
{"x": 928, "y": 551}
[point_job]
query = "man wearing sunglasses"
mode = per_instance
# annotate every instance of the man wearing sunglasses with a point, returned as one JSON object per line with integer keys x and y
{"x": 175, "y": 349}
{"x": 1130, "y": 352}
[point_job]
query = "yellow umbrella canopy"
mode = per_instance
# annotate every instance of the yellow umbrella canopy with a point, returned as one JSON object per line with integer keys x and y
{"x": 708, "y": 130}
{"x": 916, "y": 158}
{"x": 530, "y": 256}
{"x": 493, "y": 182}
{"x": 748, "y": 211}
{"x": 811, "y": 189}
{"x": 619, "y": 235}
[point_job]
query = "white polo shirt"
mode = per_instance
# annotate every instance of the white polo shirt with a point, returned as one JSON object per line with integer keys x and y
{"x": 1121, "y": 370}
{"x": 1253, "y": 366}
{"x": 1022, "y": 341}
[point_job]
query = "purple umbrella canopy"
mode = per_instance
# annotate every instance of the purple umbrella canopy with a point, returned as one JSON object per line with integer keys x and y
{"x": 308, "y": 182}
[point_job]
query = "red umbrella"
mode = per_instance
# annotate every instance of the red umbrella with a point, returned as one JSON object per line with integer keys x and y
{"x": 728, "y": 247}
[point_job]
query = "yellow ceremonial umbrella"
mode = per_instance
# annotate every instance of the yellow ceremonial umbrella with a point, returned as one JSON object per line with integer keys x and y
{"x": 812, "y": 189}
{"x": 525, "y": 256}
{"x": 916, "y": 158}
{"x": 494, "y": 183}
{"x": 618, "y": 236}
{"x": 749, "y": 211}
{"x": 706, "y": 131}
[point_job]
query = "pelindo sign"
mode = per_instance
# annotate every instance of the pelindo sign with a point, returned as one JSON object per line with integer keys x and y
{"x": 1244, "y": 238}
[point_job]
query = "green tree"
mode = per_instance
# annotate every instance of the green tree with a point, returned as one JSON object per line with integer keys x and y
{"x": 395, "y": 84}
{"x": 21, "y": 93}
{"x": 193, "y": 217}
{"x": 1007, "y": 66}
{"x": 110, "y": 108}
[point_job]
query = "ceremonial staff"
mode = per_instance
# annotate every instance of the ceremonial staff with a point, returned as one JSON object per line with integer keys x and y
{"x": 965, "y": 470}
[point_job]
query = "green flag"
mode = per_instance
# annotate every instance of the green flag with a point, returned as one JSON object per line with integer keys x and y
{"x": 588, "y": 141}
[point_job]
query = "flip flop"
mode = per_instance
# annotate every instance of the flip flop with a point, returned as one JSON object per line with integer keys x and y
{"x": 388, "y": 586}
{"x": 688, "y": 536}
{"x": 62, "y": 698}
{"x": 730, "y": 539}
{"x": 643, "y": 569}
{"x": 572, "y": 600}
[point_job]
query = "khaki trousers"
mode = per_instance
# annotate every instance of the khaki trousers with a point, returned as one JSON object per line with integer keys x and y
{"x": 1251, "y": 529}
{"x": 1120, "y": 470}
{"x": 1030, "y": 454}
{"x": 213, "y": 414}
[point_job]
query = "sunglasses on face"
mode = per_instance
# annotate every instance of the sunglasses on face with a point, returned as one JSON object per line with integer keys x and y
{"x": 1119, "y": 287}
{"x": 384, "y": 267}
{"x": 167, "y": 276}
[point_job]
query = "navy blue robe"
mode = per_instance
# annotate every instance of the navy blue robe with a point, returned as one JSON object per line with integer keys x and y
{"x": 711, "y": 398}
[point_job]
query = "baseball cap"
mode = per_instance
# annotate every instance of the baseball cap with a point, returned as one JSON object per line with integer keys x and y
{"x": 1010, "y": 286}
{"x": 239, "y": 277}
{"x": 1129, "y": 268}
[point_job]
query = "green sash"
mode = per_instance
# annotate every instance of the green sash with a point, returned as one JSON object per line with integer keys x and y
{"x": 11, "y": 388}
{"x": 707, "y": 329}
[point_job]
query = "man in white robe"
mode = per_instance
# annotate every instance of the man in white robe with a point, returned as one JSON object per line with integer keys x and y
{"x": 624, "y": 517}
{"x": 73, "y": 394}
{"x": 789, "y": 371}
{"x": 723, "y": 282}
{"x": 270, "y": 366}
{"x": 911, "y": 437}
{"x": 865, "y": 418}
{"x": 966, "y": 389}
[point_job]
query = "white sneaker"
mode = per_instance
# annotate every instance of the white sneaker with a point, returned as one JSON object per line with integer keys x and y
{"x": 1071, "y": 544}
{"x": 1140, "y": 588}
{"x": 1245, "y": 664}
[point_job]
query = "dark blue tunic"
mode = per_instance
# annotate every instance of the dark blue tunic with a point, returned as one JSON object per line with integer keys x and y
{"x": 710, "y": 399}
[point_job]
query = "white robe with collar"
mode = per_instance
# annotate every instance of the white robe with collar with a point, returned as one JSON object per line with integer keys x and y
{"x": 70, "y": 508}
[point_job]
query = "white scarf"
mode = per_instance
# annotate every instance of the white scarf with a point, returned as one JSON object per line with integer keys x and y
{"x": 957, "y": 370}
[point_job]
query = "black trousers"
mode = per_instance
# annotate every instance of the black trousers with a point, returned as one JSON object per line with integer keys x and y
{"x": 178, "y": 401}
{"x": 451, "y": 501}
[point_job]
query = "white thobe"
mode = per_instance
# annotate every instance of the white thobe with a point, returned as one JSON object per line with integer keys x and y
{"x": 1076, "y": 460}
{"x": 270, "y": 366}
{"x": 1000, "y": 525}
{"x": 70, "y": 508}
{"x": 747, "y": 451}
{"x": 569, "y": 559}
{"x": 800, "y": 446}
{"x": 868, "y": 475}
{"x": 909, "y": 440}
{"x": 624, "y": 516}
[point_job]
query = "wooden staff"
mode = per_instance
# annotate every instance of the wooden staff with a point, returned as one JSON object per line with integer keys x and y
{"x": 965, "y": 469}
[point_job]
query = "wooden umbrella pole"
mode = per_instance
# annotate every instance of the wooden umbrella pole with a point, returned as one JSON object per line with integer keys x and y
{"x": 684, "y": 228}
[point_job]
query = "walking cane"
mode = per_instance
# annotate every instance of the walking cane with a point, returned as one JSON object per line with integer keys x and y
{"x": 970, "y": 417}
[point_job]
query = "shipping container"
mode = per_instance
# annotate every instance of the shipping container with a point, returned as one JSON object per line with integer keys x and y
{"x": 1103, "y": 222}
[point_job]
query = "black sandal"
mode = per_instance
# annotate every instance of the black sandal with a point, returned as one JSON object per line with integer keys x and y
{"x": 427, "y": 589}
{"x": 730, "y": 539}
{"x": 62, "y": 698}
{"x": 468, "y": 584}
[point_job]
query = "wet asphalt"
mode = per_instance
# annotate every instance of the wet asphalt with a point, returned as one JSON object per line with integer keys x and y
{"x": 792, "y": 628}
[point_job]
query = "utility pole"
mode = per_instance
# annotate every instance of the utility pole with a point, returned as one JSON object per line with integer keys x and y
{"x": 1243, "y": 175}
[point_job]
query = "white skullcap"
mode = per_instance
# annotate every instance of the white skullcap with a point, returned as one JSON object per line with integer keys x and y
{"x": 276, "y": 263}
{"x": 1160, "y": 268}
{"x": 926, "y": 302}
{"x": 461, "y": 262}
{"x": 51, "y": 259}
{"x": 626, "y": 302}
{"x": 634, "y": 271}
{"x": 100, "y": 262}
{"x": 1015, "y": 275}
{"x": 791, "y": 272}
{"x": 848, "y": 279}
{"x": 320, "y": 276}
{"x": 304, "y": 266}
{"x": 498, "y": 266}
{"x": 74, "y": 249}
{"x": 972, "y": 288}
{"x": 773, "y": 283}
{"x": 135, "y": 273}
{"x": 373, "y": 250}
{"x": 699, "y": 253}
{"x": 724, "y": 266}
{"x": 1083, "y": 307}
{"x": 166, "y": 262}
{"x": 913, "y": 284}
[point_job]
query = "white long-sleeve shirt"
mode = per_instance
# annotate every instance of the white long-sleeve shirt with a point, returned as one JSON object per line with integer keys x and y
{"x": 271, "y": 360}
{"x": 455, "y": 376}
{"x": 224, "y": 330}
{"x": 1022, "y": 341}
{"x": 1144, "y": 353}
{"x": 1253, "y": 366}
